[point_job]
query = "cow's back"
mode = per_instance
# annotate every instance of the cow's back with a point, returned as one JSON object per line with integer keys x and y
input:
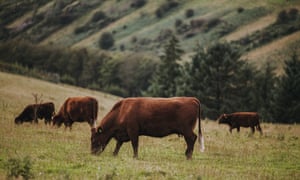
{"x": 159, "y": 116}
{"x": 245, "y": 118}
{"x": 46, "y": 110}
{"x": 81, "y": 108}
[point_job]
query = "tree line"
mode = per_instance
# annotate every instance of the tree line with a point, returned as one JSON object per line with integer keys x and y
{"x": 215, "y": 74}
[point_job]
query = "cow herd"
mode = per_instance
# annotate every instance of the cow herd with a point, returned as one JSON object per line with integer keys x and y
{"x": 132, "y": 117}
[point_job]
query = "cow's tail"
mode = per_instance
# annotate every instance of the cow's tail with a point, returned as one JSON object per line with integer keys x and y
{"x": 95, "y": 114}
{"x": 201, "y": 138}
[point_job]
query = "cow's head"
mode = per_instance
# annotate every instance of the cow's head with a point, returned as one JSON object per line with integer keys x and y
{"x": 18, "y": 120}
{"x": 58, "y": 120}
{"x": 99, "y": 140}
{"x": 223, "y": 119}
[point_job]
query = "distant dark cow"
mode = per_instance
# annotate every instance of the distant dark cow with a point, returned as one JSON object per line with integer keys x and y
{"x": 156, "y": 117}
{"x": 77, "y": 109}
{"x": 43, "y": 110}
{"x": 241, "y": 119}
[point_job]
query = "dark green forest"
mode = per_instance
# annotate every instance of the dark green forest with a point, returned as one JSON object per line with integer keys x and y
{"x": 215, "y": 74}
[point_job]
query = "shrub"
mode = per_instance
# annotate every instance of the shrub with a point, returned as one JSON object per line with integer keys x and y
{"x": 240, "y": 9}
{"x": 99, "y": 15}
{"x": 138, "y": 3}
{"x": 106, "y": 40}
{"x": 134, "y": 39}
{"x": 178, "y": 23}
{"x": 212, "y": 23}
{"x": 159, "y": 13}
{"x": 19, "y": 167}
{"x": 293, "y": 13}
{"x": 167, "y": 6}
{"x": 282, "y": 17}
{"x": 189, "y": 13}
{"x": 197, "y": 23}
{"x": 80, "y": 29}
{"x": 68, "y": 79}
{"x": 116, "y": 90}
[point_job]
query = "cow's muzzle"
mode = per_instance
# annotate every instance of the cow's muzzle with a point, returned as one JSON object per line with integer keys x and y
{"x": 97, "y": 151}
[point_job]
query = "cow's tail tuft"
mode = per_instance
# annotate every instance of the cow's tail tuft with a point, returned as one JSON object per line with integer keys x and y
{"x": 201, "y": 138}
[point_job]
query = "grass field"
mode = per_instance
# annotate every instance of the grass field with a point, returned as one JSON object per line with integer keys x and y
{"x": 63, "y": 154}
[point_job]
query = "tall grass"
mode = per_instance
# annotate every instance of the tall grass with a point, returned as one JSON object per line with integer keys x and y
{"x": 62, "y": 154}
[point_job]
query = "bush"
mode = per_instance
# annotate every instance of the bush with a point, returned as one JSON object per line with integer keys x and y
{"x": 106, "y": 40}
{"x": 68, "y": 79}
{"x": 282, "y": 17}
{"x": 159, "y": 13}
{"x": 116, "y": 90}
{"x": 240, "y": 9}
{"x": 197, "y": 23}
{"x": 19, "y": 167}
{"x": 81, "y": 29}
{"x": 293, "y": 13}
{"x": 167, "y": 6}
{"x": 99, "y": 15}
{"x": 212, "y": 23}
{"x": 189, "y": 13}
{"x": 138, "y": 3}
{"x": 178, "y": 23}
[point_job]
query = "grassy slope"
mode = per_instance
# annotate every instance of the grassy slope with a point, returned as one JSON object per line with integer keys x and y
{"x": 60, "y": 154}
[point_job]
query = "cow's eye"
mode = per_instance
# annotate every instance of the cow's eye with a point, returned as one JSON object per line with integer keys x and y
{"x": 100, "y": 130}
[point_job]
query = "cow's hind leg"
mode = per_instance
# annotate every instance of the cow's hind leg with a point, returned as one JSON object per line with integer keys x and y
{"x": 190, "y": 142}
{"x": 135, "y": 144}
{"x": 134, "y": 138}
{"x": 118, "y": 146}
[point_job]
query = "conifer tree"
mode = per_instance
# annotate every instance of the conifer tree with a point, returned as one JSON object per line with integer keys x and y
{"x": 265, "y": 85}
{"x": 165, "y": 78}
{"x": 217, "y": 77}
{"x": 287, "y": 108}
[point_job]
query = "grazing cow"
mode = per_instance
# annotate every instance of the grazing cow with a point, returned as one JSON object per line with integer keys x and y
{"x": 77, "y": 109}
{"x": 33, "y": 112}
{"x": 241, "y": 119}
{"x": 156, "y": 117}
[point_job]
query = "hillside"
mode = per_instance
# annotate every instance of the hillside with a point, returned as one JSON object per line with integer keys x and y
{"x": 17, "y": 91}
{"x": 143, "y": 26}
{"x": 50, "y": 153}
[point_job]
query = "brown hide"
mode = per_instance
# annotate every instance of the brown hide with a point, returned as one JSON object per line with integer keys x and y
{"x": 241, "y": 119}
{"x": 156, "y": 117}
{"x": 77, "y": 109}
{"x": 43, "y": 111}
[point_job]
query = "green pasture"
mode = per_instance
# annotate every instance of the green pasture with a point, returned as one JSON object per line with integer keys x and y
{"x": 56, "y": 153}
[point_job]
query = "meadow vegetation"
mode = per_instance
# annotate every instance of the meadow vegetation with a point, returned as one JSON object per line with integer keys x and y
{"x": 52, "y": 153}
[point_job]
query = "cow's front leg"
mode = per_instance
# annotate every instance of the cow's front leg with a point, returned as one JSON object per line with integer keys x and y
{"x": 118, "y": 146}
{"x": 238, "y": 129}
{"x": 252, "y": 129}
{"x": 230, "y": 129}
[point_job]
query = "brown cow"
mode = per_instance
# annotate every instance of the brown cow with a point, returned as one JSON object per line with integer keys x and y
{"x": 33, "y": 112}
{"x": 156, "y": 117}
{"x": 77, "y": 109}
{"x": 241, "y": 119}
